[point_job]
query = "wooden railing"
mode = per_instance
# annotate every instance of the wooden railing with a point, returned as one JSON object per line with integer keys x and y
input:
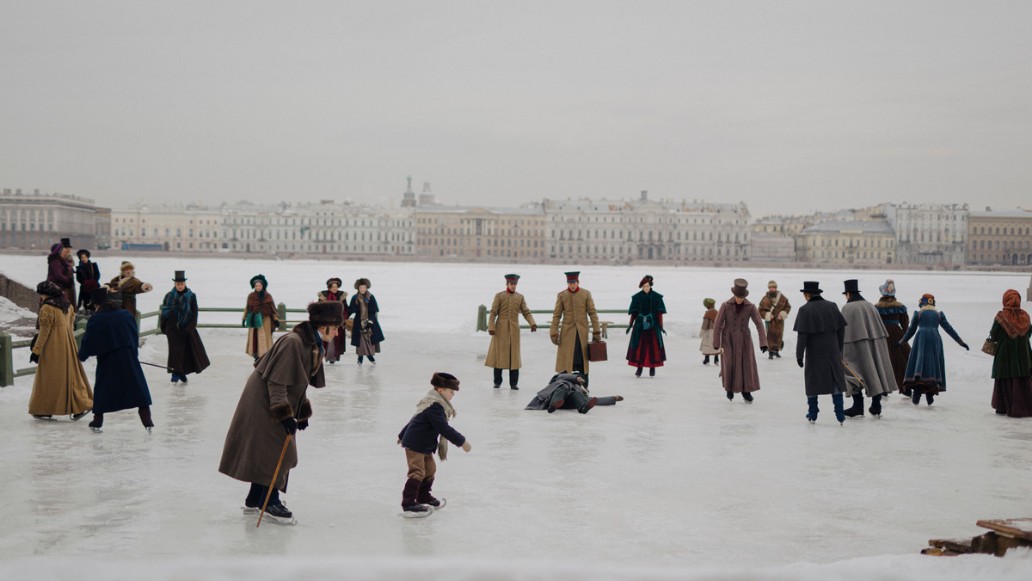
{"x": 8, "y": 345}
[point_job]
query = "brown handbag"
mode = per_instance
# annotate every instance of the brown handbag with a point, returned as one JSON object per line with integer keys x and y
{"x": 597, "y": 351}
{"x": 989, "y": 347}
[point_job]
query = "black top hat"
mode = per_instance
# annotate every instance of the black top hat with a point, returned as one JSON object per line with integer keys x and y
{"x": 66, "y": 242}
{"x": 851, "y": 286}
{"x": 812, "y": 287}
{"x": 740, "y": 289}
{"x": 180, "y": 276}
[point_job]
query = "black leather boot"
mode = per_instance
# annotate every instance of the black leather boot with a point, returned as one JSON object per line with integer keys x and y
{"x": 858, "y": 406}
{"x": 423, "y": 496}
{"x": 875, "y": 406}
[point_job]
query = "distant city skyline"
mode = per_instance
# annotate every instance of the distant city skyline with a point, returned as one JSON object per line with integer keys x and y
{"x": 789, "y": 107}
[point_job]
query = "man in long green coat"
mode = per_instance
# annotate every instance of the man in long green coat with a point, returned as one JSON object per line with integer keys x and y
{"x": 504, "y": 327}
{"x": 575, "y": 307}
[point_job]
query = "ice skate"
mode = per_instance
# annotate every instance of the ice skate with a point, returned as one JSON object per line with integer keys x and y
{"x": 279, "y": 514}
{"x": 80, "y": 415}
{"x": 417, "y": 511}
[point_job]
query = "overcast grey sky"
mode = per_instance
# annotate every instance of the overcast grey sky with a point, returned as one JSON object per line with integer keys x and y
{"x": 788, "y": 106}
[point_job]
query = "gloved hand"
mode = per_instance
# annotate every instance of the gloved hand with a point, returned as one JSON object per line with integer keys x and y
{"x": 627, "y": 331}
{"x": 490, "y": 332}
{"x": 782, "y": 315}
{"x": 466, "y": 446}
{"x": 302, "y": 425}
{"x": 799, "y": 360}
{"x": 763, "y": 349}
{"x": 555, "y": 339}
{"x": 767, "y": 316}
{"x": 33, "y": 358}
{"x": 290, "y": 425}
{"x": 965, "y": 346}
{"x": 533, "y": 328}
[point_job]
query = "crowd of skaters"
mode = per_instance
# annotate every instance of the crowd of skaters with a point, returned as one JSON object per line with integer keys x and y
{"x": 862, "y": 349}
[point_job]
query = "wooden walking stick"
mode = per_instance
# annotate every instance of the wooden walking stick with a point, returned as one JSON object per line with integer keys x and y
{"x": 275, "y": 474}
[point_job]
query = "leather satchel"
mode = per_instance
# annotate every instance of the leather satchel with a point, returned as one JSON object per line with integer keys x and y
{"x": 597, "y": 351}
{"x": 989, "y": 347}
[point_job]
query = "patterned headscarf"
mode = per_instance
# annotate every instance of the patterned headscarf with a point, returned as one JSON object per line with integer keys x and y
{"x": 1013, "y": 318}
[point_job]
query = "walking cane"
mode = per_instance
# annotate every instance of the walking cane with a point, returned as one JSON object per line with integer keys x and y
{"x": 268, "y": 494}
{"x": 165, "y": 367}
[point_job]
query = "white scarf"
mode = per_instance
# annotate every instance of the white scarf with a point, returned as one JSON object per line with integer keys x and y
{"x": 432, "y": 397}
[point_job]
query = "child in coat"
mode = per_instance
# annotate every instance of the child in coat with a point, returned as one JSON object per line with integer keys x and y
{"x": 706, "y": 333}
{"x": 420, "y": 438}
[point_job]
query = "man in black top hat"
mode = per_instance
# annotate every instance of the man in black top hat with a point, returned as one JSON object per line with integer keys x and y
{"x": 821, "y": 329}
{"x": 178, "y": 321}
{"x": 865, "y": 352}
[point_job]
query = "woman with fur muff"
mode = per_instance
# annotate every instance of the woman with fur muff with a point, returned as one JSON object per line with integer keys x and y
{"x": 260, "y": 318}
{"x": 926, "y": 368}
{"x": 646, "y": 328}
{"x": 339, "y": 344}
{"x": 1012, "y": 364}
{"x": 274, "y": 405}
{"x": 366, "y": 334}
{"x": 60, "y": 386}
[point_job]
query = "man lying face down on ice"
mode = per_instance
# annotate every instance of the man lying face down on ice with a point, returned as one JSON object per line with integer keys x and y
{"x": 567, "y": 391}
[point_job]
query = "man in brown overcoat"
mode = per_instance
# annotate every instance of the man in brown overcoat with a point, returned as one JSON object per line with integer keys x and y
{"x": 273, "y": 406}
{"x": 774, "y": 309}
{"x": 503, "y": 324}
{"x": 731, "y": 335}
{"x": 574, "y": 306}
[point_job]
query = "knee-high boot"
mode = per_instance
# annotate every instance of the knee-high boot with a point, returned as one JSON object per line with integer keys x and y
{"x": 840, "y": 415}
{"x": 409, "y": 493}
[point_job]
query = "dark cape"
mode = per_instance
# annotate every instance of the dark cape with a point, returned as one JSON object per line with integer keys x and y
{"x": 178, "y": 322}
{"x": 821, "y": 329}
{"x": 112, "y": 337}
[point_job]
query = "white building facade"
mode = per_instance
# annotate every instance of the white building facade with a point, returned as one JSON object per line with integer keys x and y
{"x": 932, "y": 234}
{"x": 37, "y": 220}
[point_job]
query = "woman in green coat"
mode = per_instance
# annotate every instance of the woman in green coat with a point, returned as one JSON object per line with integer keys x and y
{"x": 1012, "y": 364}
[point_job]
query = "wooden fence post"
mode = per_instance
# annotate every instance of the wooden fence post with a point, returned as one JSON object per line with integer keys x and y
{"x": 6, "y": 360}
{"x": 282, "y": 310}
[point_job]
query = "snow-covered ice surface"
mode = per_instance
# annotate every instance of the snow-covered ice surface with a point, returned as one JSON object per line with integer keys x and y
{"x": 673, "y": 483}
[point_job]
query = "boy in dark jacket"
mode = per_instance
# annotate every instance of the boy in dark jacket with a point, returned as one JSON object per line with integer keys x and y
{"x": 420, "y": 438}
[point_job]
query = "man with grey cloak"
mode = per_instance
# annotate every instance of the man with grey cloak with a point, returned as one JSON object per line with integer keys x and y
{"x": 865, "y": 353}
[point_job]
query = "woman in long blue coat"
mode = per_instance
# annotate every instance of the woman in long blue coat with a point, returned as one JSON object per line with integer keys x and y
{"x": 926, "y": 367}
{"x": 366, "y": 334}
{"x": 112, "y": 336}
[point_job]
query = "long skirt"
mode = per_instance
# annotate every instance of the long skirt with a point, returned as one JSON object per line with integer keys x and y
{"x": 898, "y": 354}
{"x": 259, "y": 340}
{"x": 335, "y": 348}
{"x": 366, "y": 345}
{"x": 1013, "y": 397}
{"x": 648, "y": 353}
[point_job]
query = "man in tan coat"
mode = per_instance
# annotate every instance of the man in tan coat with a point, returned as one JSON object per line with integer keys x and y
{"x": 774, "y": 309}
{"x": 575, "y": 306}
{"x": 504, "y": 327}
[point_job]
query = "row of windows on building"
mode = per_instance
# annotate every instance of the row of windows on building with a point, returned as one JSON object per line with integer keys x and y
{"x": 1004, "y": 231}
{"x": 613, "y": 251}
{"x": 853, "y": 243}
{"x": 998, "y": 245}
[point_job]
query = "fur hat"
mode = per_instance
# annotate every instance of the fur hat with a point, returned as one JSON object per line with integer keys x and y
{"x": 260, "y": 278}
{"x": 326, "y": 314}
{"x": 441, "y": 379}
{"x": 84, "y": 251}
{"x": 48, "y": 289}
{"x": 772, "y": 283}
{"x": 888, "y": 289}
{"x": 740, "y": 289}
{"x": 363, "y": 281}
{"x": 647, "y": 279}
{"x": 339, "y": 282}
{"x": 708, "y": 303}
{"x": 126, "y": 265}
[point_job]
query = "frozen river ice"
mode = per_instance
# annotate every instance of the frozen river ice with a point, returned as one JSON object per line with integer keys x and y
{"x": 674, "y": 482}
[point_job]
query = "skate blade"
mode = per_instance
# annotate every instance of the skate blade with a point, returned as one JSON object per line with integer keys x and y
{"x": 96, "y": 430}
{"x": 408, "y": 514}
{"x": 287, "y": 522}
{"x": 248, "y": 511}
